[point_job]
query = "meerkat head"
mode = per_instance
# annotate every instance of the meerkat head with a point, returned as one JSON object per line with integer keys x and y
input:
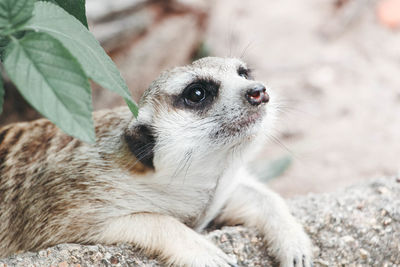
{"x": 208, "y": 107}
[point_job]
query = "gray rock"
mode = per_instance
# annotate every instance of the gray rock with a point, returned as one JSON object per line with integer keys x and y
{"x": 358, "y": 226}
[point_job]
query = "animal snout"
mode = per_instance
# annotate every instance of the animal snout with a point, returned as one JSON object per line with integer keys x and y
{"x": 257, "y": 95}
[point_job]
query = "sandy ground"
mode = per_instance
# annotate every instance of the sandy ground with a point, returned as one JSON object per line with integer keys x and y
{"x": 337, "y": 72}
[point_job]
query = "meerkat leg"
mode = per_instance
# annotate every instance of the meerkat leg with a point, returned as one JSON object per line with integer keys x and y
{"x": 175, "y": 243}
{"x": 253, "y": 204}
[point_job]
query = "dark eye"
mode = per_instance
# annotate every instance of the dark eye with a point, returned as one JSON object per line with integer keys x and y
{"x": 243, "y": 72}
{"x": 198, "y": 95}
{"x": 195, "y": 93}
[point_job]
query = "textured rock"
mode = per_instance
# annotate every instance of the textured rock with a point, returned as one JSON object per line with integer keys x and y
{"x": 358, "y": 226}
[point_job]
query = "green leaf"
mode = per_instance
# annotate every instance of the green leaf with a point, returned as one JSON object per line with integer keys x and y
{"x": 74, "y": 7}
{"x": 52, "y": 81}
{"x": 1, "y": 94}
{"x": 3, "y": 44}
{"x": 132, "y": 106}
{"x": 81, "y": 43}
{"x": 14, "y": 13}
{"x": 4, "y": 41}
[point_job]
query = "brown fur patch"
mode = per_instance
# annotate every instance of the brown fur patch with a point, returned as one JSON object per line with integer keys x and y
{"x": 10, "y": 138}
{"x": 138, "y": 168}
{"x": 3, "y": 133}
{"x": 63, "y": 141}
{"x": 22, "y": 149}
{"x": 127, "y": 161}
{"x": 51, "y": 184}
{"x": 76, "y": 143}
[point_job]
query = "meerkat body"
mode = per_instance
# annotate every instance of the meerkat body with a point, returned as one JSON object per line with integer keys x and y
{"x": 154, "y": 181}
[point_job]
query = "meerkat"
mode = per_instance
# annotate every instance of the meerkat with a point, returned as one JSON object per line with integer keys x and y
{"x": 155, "y": 181}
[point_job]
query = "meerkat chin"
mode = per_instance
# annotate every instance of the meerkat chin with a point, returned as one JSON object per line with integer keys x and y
{"x": 155, "y": 181}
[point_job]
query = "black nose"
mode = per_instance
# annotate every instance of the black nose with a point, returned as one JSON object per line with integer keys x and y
{"x": 257, "y": 95}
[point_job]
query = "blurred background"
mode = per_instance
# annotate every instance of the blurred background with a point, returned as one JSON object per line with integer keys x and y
{"x": 335, "y": 65}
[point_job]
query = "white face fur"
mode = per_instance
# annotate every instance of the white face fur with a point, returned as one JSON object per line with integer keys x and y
{"x": 205, "y": 111}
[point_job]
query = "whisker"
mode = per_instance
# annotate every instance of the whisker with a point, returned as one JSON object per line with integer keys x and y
{"x": 190, "y": 153}
{"x": 143, "y": 153}
{"x": 282, "y": 145}
{"x": 245, "y": 49}
{"x": 181, "y": 166}
{"x": 145, "y": 148}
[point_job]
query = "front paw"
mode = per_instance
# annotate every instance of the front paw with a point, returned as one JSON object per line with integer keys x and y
{"x": 200, "y": 253}
{"x": 292, "y": 247}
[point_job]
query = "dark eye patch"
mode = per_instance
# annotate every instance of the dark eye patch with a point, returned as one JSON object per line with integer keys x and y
{"x": 244, "y": 72}
{"x": 198, "y": 95}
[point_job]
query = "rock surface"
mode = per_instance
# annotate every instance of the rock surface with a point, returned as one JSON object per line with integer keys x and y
{"x": 358, "y": 226}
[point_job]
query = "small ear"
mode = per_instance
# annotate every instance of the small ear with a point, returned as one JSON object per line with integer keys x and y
{"x": 140, "y": 140}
